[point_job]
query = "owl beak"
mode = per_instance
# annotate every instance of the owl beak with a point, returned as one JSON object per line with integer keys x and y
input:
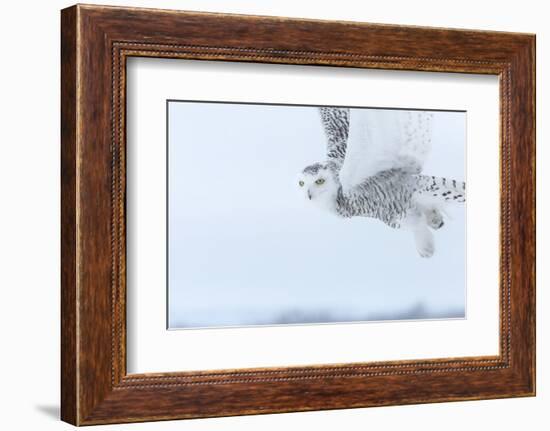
{"x": 309, "y": 194}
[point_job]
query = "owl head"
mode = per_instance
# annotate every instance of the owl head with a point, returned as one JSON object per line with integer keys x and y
{"x": 319, "y": 184}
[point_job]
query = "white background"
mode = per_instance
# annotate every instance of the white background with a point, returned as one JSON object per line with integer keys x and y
{"x": 29, "y": 220}
{"x": 152, "y": 349}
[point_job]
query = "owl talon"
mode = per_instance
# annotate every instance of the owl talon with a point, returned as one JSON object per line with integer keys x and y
{"x": 435, "y": 219}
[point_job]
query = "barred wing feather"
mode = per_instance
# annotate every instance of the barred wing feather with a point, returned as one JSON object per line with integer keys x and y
{"x": 335, "y": 123}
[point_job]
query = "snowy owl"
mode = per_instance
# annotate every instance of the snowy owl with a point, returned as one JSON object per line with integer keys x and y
{"x": 373, "y": 169}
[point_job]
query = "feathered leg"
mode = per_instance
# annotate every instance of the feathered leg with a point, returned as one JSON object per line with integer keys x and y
{"x": 418, "y": 223}
{"x": 424, "y": 240}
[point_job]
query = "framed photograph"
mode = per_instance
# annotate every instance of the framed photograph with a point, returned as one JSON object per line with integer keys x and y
{"x": 245, "y": 252}
{"x": 317, "y": 215}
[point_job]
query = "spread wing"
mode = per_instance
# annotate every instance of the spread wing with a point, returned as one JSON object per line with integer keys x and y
{"x": 381, "y": 139}
{"x": 336, "y": 125}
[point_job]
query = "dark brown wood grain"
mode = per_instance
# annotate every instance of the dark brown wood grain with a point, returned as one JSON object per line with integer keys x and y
{"x": 68, "y": 217}
{"x": 95, "y": 42}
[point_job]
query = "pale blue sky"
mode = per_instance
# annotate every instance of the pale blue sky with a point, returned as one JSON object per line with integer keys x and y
{"x": 246, "y": 249}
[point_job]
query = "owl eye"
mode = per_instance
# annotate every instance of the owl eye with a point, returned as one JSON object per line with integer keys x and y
{"x": 301, "y": 183}
{"x": 320, "y": 181}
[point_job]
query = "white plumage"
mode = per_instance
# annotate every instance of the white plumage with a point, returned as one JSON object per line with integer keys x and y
{"x": 382, "y": 139}
{"x": 373, "y": 169}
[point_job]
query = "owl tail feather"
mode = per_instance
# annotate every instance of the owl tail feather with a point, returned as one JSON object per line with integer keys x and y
{"x": 441, "y": 188}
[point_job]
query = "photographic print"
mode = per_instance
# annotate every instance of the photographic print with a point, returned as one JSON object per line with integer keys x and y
{"x": 294, "y": 214}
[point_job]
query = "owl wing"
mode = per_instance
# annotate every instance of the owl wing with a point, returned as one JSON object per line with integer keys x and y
{"x": 336, "y": 126}
{"x": 381, "y": 139}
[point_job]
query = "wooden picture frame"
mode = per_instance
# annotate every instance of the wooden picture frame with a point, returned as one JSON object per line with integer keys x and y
{"x": 95, "y": 43}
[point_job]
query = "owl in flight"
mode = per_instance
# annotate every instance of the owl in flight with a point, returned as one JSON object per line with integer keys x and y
{"x": 373, "y": 169}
